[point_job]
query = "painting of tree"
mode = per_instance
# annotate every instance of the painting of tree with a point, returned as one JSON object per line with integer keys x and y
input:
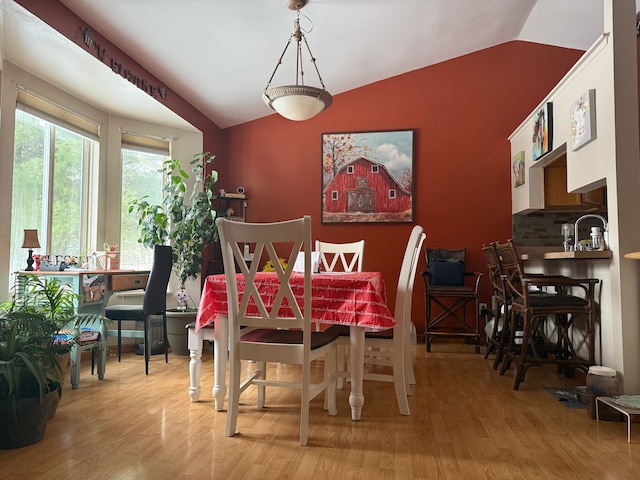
{"x": 367, "y": 176}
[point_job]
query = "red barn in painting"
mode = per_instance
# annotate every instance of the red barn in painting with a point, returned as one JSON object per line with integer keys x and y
{"x": 363, "y": 186}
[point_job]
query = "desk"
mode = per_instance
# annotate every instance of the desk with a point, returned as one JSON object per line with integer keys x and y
{"x": 355, "y": 299}
{"x": 94, "y": 288}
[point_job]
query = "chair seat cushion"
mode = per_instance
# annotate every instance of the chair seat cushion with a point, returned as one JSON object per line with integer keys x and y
{"x": 290, "y": 337}
{"x": 124, "y": 312}
{"x": 555, "y": 300}
{"x": 343, "y": 331}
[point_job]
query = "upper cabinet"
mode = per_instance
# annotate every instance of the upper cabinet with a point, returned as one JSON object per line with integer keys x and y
{"x": 556, "y": 197}
{"x": 572, "y": 176}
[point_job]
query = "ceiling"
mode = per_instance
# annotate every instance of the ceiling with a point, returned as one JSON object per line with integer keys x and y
{"x": 219, "y": 54}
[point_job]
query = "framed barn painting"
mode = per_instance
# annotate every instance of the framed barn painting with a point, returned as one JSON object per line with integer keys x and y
{"x": 367, "y": 177}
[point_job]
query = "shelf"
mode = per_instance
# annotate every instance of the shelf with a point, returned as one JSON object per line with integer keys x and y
{"x": 544, "y": 253}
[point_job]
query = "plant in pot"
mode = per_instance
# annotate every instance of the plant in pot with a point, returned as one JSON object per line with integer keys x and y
{"x": 185, "y": 220}
{"x": 33, "y": 351}
{"x": 30, "y": 377}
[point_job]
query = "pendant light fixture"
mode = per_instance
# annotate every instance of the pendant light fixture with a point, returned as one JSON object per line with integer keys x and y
{"x": 299, "y": 101}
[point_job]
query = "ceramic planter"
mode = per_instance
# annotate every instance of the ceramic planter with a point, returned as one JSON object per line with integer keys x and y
{"x": 177, "y": 332}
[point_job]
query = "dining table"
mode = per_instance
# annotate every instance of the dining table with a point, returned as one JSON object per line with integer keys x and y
{"x": 354, "y": 299}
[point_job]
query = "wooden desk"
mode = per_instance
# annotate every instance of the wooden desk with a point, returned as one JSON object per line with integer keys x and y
{"x": 355, "y": 299}
{"x": 94, "y": 289}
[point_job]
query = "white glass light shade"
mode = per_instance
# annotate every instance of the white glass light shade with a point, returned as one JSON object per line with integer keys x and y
{"x": 297, "y": 102}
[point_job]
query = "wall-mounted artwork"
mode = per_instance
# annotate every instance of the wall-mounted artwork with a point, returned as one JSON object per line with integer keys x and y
{"x": 367, "y": 177}
{"x": 542, "y": 131}
{"x": 517, "y": 167}
{"x": 583, "y": 120}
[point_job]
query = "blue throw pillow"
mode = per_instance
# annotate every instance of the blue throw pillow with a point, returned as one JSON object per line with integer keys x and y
{"x": 446, "y": 273}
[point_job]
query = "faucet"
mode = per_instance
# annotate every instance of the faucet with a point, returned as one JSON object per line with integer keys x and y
{"x": 605, "y": 229}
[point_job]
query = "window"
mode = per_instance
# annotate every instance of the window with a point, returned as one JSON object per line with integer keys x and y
{"x": 374, "y": 168}
{"x": 334, "y": 195}
{"x": 350, "y": 169}
{"x": 142, "y": 160}
{"x": 53, "y": 164}
{"x": 392, "y": 193}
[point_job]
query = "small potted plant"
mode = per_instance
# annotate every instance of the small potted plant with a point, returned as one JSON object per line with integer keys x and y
{"x": 185, "y": 220}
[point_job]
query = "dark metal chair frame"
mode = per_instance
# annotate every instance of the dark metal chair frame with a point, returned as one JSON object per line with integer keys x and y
{"x": 453, "y": 300}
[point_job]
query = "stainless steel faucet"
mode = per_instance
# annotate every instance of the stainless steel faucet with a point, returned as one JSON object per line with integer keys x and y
{"x": 605, "y": 229}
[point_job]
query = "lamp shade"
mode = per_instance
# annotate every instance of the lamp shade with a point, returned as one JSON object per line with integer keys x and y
{"x": 297, "y": 102}
{"x": 30, "y": 239}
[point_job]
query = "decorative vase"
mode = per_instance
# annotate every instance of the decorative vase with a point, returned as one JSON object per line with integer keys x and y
{"x": 177, "y": 322}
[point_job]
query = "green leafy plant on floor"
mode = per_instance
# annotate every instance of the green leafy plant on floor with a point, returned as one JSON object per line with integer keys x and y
{"x": 185, "y": 219}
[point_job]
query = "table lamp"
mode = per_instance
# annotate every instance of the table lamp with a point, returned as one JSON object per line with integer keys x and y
{"x": 30, "y": 241}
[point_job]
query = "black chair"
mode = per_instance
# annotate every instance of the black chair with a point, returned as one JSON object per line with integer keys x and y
{"x": 154, "y": 304}
{"x": 451, "y": 288}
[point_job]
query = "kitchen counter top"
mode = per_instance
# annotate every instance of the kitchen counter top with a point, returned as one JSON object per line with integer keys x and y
{"x": 552, "y": 253}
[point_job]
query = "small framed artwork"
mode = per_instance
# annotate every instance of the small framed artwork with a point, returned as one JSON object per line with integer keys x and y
{"x": 367, "y": 177}
{"x": 583, "y": 120}
{"x": 517, "y": 167}
{"x": 542, "y": 131}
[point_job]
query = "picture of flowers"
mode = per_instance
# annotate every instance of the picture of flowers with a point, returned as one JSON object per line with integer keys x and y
{"x": 583, "y": 120}
{"x": 542, "y": 131}
{"x": 367, "y": 177}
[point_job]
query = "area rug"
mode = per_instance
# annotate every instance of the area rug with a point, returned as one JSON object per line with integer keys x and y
{"x": 566, "y": 395}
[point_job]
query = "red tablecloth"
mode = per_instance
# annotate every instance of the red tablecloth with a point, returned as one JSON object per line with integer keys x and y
{"x": 355, "y": 298}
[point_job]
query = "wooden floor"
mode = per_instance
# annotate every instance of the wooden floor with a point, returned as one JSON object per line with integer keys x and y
{"x": 466, "y": 422}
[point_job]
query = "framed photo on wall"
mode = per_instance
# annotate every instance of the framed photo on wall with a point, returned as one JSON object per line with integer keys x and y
{"x": 542, "y": 131}
{"x": 367, "y": 177}
{"x": 517, "y": 167}
{"x": 583, "y": 120}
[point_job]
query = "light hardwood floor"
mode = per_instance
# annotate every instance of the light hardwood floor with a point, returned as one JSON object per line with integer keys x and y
{"x": 466, "y": 423}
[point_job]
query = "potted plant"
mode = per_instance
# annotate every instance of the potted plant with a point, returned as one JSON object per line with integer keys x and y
{"x": 185, "y": 220}
{"x": 30, "y": 377}
{"x": 33, "y": 351}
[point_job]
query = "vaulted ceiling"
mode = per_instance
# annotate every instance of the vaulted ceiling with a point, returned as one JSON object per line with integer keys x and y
{"x": 219, "y": 54}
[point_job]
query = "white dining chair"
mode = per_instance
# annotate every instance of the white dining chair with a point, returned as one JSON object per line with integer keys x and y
{"x": 392, "y": 348}
{"x": 349, "y": 254}
{"x": 263, "y": 336}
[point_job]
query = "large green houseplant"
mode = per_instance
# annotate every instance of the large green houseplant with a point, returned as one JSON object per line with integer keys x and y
{"x": 31, "y": 346}
{"x": 185, "y": 220}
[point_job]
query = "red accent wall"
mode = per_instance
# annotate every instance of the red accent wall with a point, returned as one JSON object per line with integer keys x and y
{"x": 462, "y": 110}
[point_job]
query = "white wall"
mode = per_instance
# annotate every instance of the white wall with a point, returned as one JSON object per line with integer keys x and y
{"x": 609, "y": 67}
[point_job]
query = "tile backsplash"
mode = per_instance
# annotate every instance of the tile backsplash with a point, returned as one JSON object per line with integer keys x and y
{"x": 544, "y": 229}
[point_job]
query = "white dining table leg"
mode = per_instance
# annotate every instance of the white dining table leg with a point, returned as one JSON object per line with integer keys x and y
{"x": 220, "y": 353}
{"x": 356, "y": 356}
